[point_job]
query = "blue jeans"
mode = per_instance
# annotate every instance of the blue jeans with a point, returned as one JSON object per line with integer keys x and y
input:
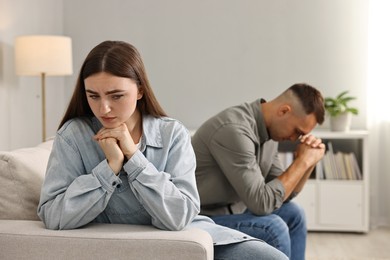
{"x": 248, "y": 250}
{"x": 284, "y": 229}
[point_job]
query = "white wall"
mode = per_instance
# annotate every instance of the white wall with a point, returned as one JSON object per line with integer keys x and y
{"x": 20, "y": 97}
{"x": 203, "y": 56}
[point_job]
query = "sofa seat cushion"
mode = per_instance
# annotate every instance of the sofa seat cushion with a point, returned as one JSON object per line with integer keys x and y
{"x": 21, "y": 239}
{"x": 21, "y": 175}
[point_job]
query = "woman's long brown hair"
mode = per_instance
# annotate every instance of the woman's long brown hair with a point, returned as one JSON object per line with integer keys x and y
{"x": 119, "y": 59}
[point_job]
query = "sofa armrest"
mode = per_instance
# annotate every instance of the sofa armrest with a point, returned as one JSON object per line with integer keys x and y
{"x": 28, "y": 239}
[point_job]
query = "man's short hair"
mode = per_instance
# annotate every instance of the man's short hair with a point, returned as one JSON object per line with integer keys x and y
{"x": 311, "y": 100}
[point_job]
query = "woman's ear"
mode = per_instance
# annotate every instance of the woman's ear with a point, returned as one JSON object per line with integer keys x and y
{"x": 140, "y": 93}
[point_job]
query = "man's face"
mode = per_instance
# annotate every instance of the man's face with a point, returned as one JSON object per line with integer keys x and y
{"x": 289, "y": 127}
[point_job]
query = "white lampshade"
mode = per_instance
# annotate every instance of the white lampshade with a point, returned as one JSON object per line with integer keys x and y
{"x": 37, "y": 54}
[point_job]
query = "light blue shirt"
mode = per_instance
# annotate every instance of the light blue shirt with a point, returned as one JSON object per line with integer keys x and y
{"x": 156, "y": 186}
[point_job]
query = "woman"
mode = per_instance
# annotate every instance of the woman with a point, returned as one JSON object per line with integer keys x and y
{"x": 117, "y": 158}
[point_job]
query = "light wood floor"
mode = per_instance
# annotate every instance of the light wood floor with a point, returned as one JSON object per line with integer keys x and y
{"x": 375, "y": 245}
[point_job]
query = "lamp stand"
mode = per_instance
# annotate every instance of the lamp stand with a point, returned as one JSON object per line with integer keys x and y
{"x": 43, "y": 107}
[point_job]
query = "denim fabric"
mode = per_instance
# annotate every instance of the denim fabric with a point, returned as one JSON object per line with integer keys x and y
{"x": 285, "y": 229}
{"x": 156, "y": 186}
{"x": 249, "y": 250}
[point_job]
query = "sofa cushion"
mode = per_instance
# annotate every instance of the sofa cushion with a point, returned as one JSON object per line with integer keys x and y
{"x": 26, "y": 239}
{"x": 21, "y": 176}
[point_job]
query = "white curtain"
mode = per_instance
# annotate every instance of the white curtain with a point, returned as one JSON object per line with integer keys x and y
{"x": 378, "y": 91}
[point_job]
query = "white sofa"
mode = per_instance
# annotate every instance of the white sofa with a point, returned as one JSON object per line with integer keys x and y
{"x": 23, "y": 236}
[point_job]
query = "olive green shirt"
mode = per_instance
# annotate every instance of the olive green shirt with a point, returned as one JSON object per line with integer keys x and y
{"x": 237, "y": 163}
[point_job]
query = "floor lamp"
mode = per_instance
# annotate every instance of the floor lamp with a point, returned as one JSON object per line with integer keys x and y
{"x": 43, "y": 55}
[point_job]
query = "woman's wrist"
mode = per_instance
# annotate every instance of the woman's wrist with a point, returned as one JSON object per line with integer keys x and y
{"x": 115, "y": 166}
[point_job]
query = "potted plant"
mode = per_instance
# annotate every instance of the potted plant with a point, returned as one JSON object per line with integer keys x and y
{"x": 340, "y": 112}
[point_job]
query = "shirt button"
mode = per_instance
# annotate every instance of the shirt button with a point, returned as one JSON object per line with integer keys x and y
{"x": 114, "y": 183}
{"x": 245, "y": 237}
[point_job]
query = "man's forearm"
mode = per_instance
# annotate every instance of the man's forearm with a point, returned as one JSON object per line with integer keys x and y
{"x": 295, "y": 176}
{"x": 309, "y": 152}
{"x": 303, "y": 180}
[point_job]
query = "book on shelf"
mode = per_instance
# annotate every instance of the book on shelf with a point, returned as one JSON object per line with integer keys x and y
{"x": 356, "y": 168}
{"x": 333, "y": 166}
{"x": 331, "y": 170}
{"x": 326, "y": 167}
{"x": 339, "y": 165}
{"x": 348, "y": 166}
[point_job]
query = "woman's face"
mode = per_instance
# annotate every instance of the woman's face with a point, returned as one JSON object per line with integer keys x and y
{"x": 112, "y": 99}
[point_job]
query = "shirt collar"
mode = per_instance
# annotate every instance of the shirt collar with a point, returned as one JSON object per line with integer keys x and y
{"x": 261, "y": 127}
{"x": 151, "y": 132}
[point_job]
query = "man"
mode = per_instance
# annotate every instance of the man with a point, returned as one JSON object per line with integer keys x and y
{"x": 240, "y": 179}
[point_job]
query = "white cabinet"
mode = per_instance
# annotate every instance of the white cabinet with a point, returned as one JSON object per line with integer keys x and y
{"x": 308, "y": 201}
{"x": 338, "y": 203}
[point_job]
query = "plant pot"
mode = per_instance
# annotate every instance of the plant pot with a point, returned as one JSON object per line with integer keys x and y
{"x": 341, "y": 122}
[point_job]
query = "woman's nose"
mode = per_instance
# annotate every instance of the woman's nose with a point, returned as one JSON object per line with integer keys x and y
{"x": 105, "y": 107}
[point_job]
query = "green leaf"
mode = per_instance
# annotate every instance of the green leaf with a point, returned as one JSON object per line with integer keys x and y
{"x": 338, "y": 105}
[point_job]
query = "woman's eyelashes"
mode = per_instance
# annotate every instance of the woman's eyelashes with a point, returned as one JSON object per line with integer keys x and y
{"x": 113, "y": 97}
{"x": 94, "y": 97}
{"x": 116, "y": 97}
